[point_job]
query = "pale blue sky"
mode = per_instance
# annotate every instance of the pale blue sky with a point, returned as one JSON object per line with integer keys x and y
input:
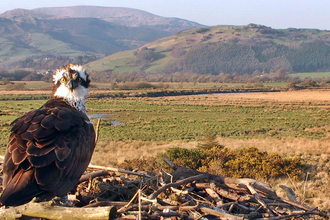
{"x": 273, "y": 13}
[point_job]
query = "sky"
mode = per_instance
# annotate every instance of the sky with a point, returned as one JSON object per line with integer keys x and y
{"x": 279, "y": 14}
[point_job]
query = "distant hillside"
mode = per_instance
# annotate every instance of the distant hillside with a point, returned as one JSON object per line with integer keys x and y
{"x": 76, "y": 31}
{"x": 122, "y": 16}
{"x": 228, "y": 49}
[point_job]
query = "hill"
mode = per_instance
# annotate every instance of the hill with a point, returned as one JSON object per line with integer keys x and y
{"x": 39, "y": 35}
{"x": 228, "y": 49}
{"x": 121, "y": 16}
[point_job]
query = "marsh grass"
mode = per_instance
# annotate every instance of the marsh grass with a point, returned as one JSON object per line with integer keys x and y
{"x": 229, "y": 116}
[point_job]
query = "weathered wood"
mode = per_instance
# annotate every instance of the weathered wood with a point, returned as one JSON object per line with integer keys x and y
{"x": 226, "y": 182}
{"x": 47, "y": 211}
{"x": 236, "y": 204}
{"x": 294, "y": 204}
{"x": 112, "y": 169}
{"x": 130, "y": 202}
{"x": 222, "y": 215}
{"x": 179, "y": 183}
{"x": 93, "y": 175}
{"x": 97, "y": 130}
{"x": 214, "y": 196}
{"x": 166, "y": 215}
{"x": 168, "y": 162}
{"x": 225, "y": 193}
{"x": 106, "y": 203}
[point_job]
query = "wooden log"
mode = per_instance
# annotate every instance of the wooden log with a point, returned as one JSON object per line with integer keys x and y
{"x": 236, "y": 204}
{"x": 222, "y": 215}
{"x": 112, "y": 169}
{"x": 214, "y": 196}
{"x": 47, "y": 211}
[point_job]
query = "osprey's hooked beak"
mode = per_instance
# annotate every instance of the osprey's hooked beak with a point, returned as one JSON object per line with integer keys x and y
{"x": 72, "y": 84}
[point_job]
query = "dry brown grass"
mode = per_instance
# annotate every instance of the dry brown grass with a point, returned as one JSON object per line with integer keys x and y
{"x": 302, "y": 98}
{"x": 289, "y": 146}
{"x": 290, "y": 96}
{"x": 117, "y": 151}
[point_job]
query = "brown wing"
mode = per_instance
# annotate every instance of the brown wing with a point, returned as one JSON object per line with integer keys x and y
{"x": 48, "y": 150}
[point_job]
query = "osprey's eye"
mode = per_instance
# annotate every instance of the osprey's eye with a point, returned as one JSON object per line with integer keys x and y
{"x": 79, "y": 79}
{"x": 63, "y": 80}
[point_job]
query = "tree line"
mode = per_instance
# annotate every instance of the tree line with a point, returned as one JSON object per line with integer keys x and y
{"x": 217, "y": 57}
{"x": 139, "y": 76}
{"x": 53, "y": 62}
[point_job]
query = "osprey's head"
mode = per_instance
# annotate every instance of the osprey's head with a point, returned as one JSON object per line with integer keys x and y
{"x": 72, "y": 84}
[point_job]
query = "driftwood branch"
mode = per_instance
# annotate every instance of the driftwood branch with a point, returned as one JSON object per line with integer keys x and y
{"x": 111, "y": 169}
{"x": 93, "y": 175}
{"x": 222, "y": 215}
{"x": 97, "y": 130}
{"x": 47, "y": 211}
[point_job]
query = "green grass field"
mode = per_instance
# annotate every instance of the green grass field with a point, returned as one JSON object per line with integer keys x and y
{"x": 165, "y": 119}
{"x": 189, "y": 118}
{"x": 311, "y": 75}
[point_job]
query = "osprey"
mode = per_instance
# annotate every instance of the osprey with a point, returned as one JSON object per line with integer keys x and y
{"x": 50, "y": 148}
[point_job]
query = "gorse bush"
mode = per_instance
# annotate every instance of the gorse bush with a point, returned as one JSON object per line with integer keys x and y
{"x": 245, "y": 162}
{"x": 250, "y": 162}
{"x": 242, "y": 163}
{"x": 191, "y": 158}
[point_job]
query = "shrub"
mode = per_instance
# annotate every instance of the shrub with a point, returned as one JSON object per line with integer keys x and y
{"x": 143, "y": 164}
{"x": 245, "y": 162}
{"x": 208, "y": 141}
{"x": 252, "y": 163}
{"x": 191, "y": 158}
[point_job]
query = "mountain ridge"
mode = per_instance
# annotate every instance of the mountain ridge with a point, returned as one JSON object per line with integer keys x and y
{"x": 226, "y": 49}
{"x": 124, "y": 16}
{"x": 31, "y": 34}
